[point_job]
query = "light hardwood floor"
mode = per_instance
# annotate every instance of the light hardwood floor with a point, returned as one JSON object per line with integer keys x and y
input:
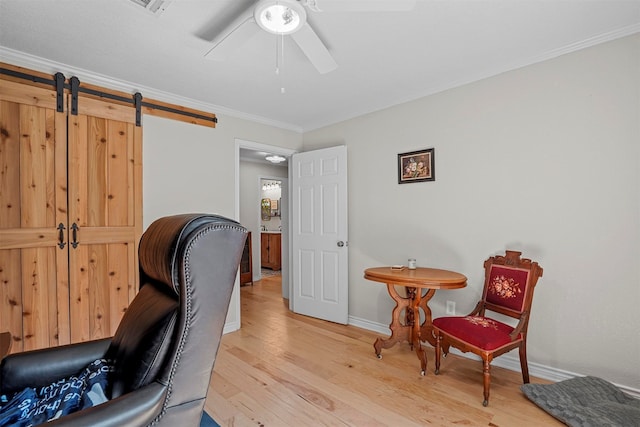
{"x": 283, "y": 369}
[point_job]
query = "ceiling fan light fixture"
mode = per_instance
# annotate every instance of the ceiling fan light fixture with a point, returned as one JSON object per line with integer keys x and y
{"x": 280, "y": 16}
{"x": 275, "y": 159}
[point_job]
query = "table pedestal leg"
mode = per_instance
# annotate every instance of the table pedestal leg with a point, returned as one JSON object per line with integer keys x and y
{"x": 420, "y": 301}
{"x": 399, "y": 332}
{"x": 412, "y": 331}
{"x": 426, "y": 329}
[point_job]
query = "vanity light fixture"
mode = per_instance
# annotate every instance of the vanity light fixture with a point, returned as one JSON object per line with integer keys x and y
{"x": 275, "y": 159}
{"x": 273, "y": 185}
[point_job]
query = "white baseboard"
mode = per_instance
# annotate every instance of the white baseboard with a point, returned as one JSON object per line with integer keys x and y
{"x": 230, "y": 327}
{"x": 506, "y": 361}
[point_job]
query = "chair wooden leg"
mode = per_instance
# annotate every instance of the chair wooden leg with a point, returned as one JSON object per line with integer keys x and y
{"x": 486, "y": 380}
{"x": 438, "y": 352}
{"x": 523, "y": 363}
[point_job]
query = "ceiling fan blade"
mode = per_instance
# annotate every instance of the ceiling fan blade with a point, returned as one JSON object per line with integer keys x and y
{"x": 361, "y": 5}
{"x": 315, "y": 50}
{"x": 233, "y": 36}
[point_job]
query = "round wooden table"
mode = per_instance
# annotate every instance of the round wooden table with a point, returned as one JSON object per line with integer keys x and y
{"x": 414, "y": 282}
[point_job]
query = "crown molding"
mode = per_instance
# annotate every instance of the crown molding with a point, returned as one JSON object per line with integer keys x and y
{"x": 41, "y": 64}
{"x": 494, "y": 71}
{"x": 22, "y": 59}
{"x": 554, "y": 53}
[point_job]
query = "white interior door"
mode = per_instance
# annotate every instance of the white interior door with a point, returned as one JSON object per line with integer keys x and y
{"x": 319, "y": 234}
{"x": 284, "y": 220}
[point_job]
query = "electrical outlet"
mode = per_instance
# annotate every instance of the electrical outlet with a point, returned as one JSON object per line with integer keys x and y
{"x": 451, "y": 308}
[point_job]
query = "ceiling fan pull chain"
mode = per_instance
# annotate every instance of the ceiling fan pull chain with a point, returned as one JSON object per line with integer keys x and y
{"x": 277, "y": 58}
{"x": 282, "y": 63}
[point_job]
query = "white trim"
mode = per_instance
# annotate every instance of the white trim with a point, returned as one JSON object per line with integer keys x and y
{"x": 506, "y": 361}
{"x": 231, "y": 327}
{"x": 251, "y": 145}
{"x": 554, "y": 53}
{"x": 43, "y": 65}
{"x": 40, "y": 64}
{"x": 482, "y": 74}
{"x": 258, "y": 146}
{"x": 369, "y": 325}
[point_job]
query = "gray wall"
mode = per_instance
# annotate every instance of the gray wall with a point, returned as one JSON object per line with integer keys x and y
{"x": 189, "y": 168}
{"x": 544, "y": 159}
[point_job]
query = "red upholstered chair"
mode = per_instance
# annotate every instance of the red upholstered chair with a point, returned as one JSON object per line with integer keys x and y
{"x": 508, "y": 290}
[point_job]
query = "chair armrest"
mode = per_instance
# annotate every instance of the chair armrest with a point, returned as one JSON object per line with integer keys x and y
{"x": 38, "y": 368}
{"x": 134, "y": 409}
{"x": 520, "y": 326}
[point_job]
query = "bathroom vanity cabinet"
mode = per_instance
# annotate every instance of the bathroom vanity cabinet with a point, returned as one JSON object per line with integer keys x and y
{"x": 270, "y": 250}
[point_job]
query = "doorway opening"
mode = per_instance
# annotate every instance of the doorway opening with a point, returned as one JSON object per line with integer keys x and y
{"x": 270, "y": 227}
{"x": 251, "y": 170}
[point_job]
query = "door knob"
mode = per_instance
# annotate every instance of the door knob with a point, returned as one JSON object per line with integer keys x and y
{"x": 340, "y": 243}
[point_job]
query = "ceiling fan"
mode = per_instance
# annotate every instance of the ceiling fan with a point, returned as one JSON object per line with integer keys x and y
{"x": 289, "y": 18}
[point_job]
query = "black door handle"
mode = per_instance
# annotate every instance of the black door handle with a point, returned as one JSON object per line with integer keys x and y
{"x": 74, "y": 231}
{"x": 61, "y": 236}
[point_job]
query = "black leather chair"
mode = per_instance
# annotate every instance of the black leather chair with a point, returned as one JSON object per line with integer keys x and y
{"x": 165, "y": 347}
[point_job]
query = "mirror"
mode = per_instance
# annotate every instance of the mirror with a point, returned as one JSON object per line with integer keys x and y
{"x": 265, "y": 209}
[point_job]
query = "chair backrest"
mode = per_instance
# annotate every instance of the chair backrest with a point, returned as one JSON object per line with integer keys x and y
{"x": 171, "y": 331}
{"x": 509, "y": 284}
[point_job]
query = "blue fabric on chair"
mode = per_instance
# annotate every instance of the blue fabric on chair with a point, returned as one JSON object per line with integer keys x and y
{"x": 207, "y": 421}
{"x": 188, "y": 266}
{"x": 31, "y": 407}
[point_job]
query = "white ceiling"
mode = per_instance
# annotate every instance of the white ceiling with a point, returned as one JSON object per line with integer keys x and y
{"x": 257, "y": 156}
{"x": 383, "y": 58}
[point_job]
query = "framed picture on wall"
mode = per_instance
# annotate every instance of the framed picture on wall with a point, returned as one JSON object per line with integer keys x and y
{"x": 416, "y": 166}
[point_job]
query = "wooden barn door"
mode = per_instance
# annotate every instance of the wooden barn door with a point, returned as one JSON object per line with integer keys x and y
{"x": 105, "y": 148}
{"x": 70, "y": 216}
{"x": 33, "y": 182}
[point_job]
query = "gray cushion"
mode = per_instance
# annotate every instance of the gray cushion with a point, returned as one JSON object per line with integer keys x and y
{"x": 585, "y": 402}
